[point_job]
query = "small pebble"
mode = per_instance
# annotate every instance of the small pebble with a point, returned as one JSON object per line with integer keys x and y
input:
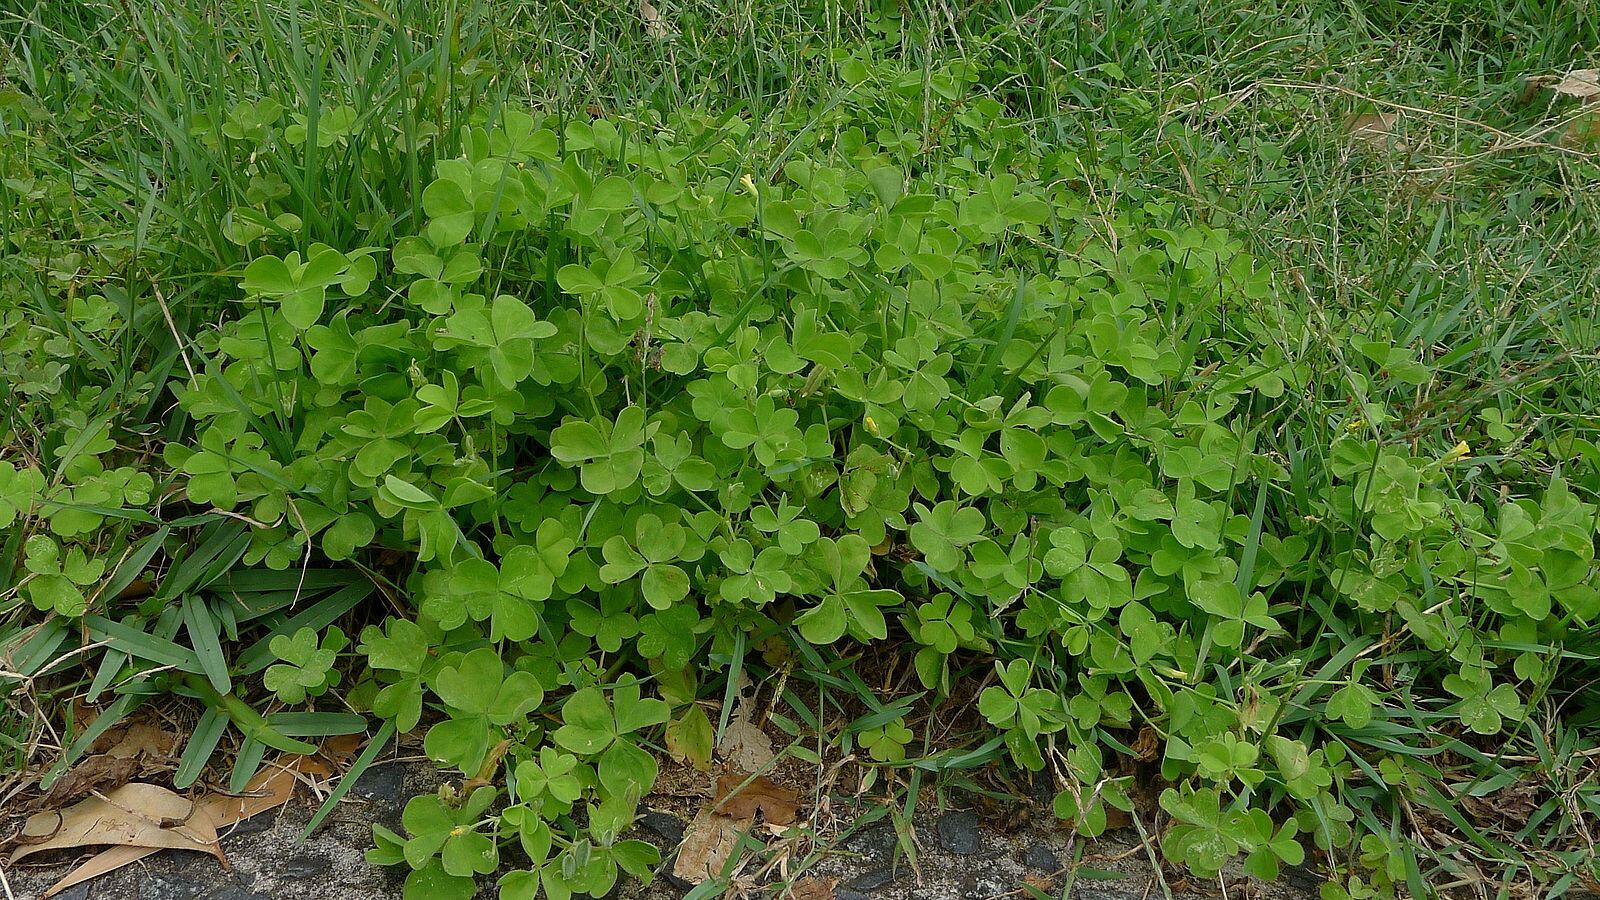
{"x": 875, "y": 842}
{"x": 305, "y": 865}
{"x": 664, "y": 825}
{"x": 958, "y": 832}
{"x": 871, "y": 881}
{"x": 1040, "y": 859}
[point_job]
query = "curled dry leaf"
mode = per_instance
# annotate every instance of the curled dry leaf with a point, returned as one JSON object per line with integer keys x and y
{"x": 144, "y": 740}
{"x": 133, "y": 815}
{"x": 121, "y": 755}
{"x": 272, "y": 787}
{"x": 101, "y": 772}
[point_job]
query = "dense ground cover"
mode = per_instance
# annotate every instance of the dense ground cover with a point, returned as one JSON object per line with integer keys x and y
{"x": 1200, "y": 418}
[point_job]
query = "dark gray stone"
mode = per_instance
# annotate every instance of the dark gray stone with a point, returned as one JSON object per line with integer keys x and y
{"x": 958, "y": 832}
{"x": 309, "y": 864}
{"x": 664, "y": 825}
{"x": 385, "y": 782}
{"x": 187, "y": 883}
{"x": 868, "y": 882}
{"x": 876, "y": 842}
{"x": 844, "y": 893}
{"x": 1040, "y": 859}
{"x": 252, "y": 825}
{"x": 76, "y": 892}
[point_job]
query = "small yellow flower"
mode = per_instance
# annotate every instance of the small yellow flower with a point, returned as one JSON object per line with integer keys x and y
{"x": 1355, "y": 425}
{"x": 749, "y": 184}
{"x": 872, "y": 426}
{"x": 1459, "y": 451}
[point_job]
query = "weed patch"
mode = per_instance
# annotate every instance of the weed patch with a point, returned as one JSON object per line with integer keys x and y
{"x": 1167, "y": 462}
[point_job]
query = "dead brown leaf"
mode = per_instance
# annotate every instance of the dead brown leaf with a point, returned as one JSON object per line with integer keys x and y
{"x": 1583, "y": 84}
{"x": 812, "y": 887}
{"x": 654, "y": 25}
{"x": 99, "y": 773}
{"x": 708, "y": 844}
{"x": 340, "y": 749}
{"x": 743, "y": 743}
{"x": 1148, "y": 745}
{"x": 486, "y": 772}
{"x": 133, "y": 815}
{"x": 774, "y": 803}
{"x": 1373, "y": 127}
{"x": 713, "y": 835}
{"x": 144, "y": 740}
{"x": 271, "y": 787}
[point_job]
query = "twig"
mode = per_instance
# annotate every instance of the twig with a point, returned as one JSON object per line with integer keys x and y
{"x": 173, "y": 327}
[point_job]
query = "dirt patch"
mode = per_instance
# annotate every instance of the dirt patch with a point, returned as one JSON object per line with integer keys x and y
{"x": 960, "y": 857}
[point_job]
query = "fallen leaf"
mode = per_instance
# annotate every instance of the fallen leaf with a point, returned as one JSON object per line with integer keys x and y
{"x": 133, "y": 815}
{"x": 708, "y": 843}
{"x": 689, "y": 738}
{"x": 486, "y": 771}
{"x": 143, "y": 739}
{"x": 99, "y": 773}
{"x": 775, "y": 803}
{"x": 812, "y": 887}
{"x": 654, "y": 25}
{"x": 1148, "y": 745}
{"x": 713, "y": 836}
{"x": 106, "y": 861}
{"x": 1373, "y": 127}
{"x": 271, "y": 787}
{"x": 340, "y": 749}
{"x": 1581, "y": 83}
{"x": 743, "y": 744}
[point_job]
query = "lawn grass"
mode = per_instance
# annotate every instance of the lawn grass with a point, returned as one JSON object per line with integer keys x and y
{"x": 1389, "y": 163}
